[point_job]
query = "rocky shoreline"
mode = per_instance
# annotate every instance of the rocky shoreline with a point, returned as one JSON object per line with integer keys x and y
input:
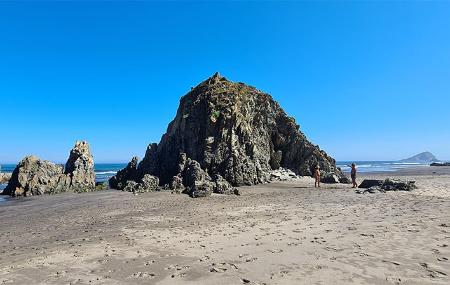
{"x": 225, "y": 135}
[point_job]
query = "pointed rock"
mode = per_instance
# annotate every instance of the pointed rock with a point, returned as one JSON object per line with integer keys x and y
{"x": 33, "y": 176}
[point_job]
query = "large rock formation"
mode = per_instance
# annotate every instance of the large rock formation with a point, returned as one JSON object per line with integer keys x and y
{"x": 232, "y": 131}
{"x": 33, "y": 176}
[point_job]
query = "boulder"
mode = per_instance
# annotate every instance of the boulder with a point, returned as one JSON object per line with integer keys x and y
{"x": 130, "y": 186}
{"x": 282, "y": 174}
{"x": 345, "y": 180}
{"x": 33, "y": 176}
{"x": 222, "y": 186}
{"x": 374, "y": 186}
{"x": 329, "y": 178}
{"x": 176, "y": 184}
{"x": 398, "y": 185}
{"x": 367, "y": 183}
{"x": 232, "y": 130}
{"x": 201, "y": 189}
{"x": 148, "y": 183}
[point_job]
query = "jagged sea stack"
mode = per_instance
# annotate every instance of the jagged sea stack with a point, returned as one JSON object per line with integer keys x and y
{"x": 236, "y": 133}
{"x": 33, "y": 176}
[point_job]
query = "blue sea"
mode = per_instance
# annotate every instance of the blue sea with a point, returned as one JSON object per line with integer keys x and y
{"x": 377, "y": 166}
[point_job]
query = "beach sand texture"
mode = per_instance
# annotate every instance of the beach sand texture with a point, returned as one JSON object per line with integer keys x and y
{"x": 278, "y": 233}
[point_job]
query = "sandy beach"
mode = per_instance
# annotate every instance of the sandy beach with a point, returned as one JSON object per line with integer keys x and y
{"x": 278, "y": 233}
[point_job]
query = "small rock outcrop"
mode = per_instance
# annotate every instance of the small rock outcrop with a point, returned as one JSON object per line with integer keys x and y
{"x": 148, "y": 183}
{"x": 33, "y": 176}
{"x": 367, "y": 183}
{"x": 374, "y": 186}
{"x": 440, "y": 164}
{"x": 233, "y": 131}
{"x": 329, "y": 178}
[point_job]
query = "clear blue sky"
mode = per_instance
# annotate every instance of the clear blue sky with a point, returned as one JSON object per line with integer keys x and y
{"x": 365, "y": 81}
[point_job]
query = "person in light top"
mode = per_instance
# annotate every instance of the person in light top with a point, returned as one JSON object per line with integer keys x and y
{"x": 317, "y": 176}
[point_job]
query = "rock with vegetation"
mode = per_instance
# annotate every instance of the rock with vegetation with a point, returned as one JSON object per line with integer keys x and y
{"x": 235, "y": 131}
{"x": 33, "y": 176}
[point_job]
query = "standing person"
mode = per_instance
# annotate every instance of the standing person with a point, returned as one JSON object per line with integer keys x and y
{"x": 353, "y": 175}
{"x": 317, "y": 176}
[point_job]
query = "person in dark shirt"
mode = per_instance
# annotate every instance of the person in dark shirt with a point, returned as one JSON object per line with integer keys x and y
{"x": 353, "y": 175}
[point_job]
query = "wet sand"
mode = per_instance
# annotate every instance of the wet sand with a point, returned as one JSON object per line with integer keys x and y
{"x": 278, "y": 233}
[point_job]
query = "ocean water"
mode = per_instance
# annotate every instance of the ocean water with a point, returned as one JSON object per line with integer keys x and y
{"x": 377, "y": 166}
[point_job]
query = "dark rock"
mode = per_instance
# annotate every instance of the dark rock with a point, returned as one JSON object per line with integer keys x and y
{"x": 201, "y": 189}
{"x": 329, "y": 178}
{"x": 375, "y": 189}
{"x": 275, "y": 159}
{"x": 398, "y": 185}
{"x": 193, "y": 173}
{"x": 367, "y": 183}
{"x": 440, "y": 164}
{"x": 119, "y": 180}
{"x": 222, "y": 186}
{"x": 389, "y": 184}
{"x": 345, "y": 180}
{"x": 235, "y": 131}
{"x": 33, "y": 176}
{"x": 177, "y": 184}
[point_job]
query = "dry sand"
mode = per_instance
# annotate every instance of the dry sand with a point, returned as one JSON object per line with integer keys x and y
{"x": 279, "y": 233}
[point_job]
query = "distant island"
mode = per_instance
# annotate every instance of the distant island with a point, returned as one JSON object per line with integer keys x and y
{"x": 424, "y": 157}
